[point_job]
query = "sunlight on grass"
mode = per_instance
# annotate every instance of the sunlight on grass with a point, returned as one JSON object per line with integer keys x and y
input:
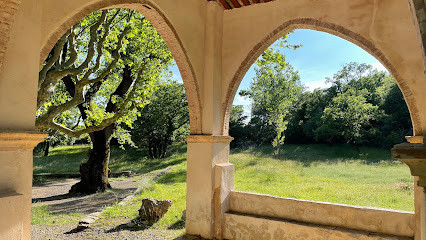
{"x": 41, "y": 215}
{"x": 171, "y": 186}
{"x": 372, "y": 180}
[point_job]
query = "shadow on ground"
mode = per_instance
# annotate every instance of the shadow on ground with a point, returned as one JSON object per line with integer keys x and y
{"x": 313, "y": 153}
{"x": 56, "y": 196}
{"x": 85, "y": 204}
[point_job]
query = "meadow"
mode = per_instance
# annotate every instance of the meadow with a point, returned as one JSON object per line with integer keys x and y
{"x": 338, "y": 174}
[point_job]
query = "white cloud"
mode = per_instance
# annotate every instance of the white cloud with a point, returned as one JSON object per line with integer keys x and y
{"x": 377, "y": 65}
{"x": 245, "y": 101}
{"x": 317, "y": 84}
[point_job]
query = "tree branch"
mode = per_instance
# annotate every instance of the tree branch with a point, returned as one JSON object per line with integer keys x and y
{"x": 54, "y": 58}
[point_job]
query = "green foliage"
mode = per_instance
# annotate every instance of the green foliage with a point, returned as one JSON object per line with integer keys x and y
{"x": 66, "y": 159}
{"x": 87, "y": 66}
{"x": 164, "y": 121}
{"x": 236, "y": 125}
{"x": 348, "y": 119}
{"x": 274, "y": 89}
{"x": 363, "y": 106}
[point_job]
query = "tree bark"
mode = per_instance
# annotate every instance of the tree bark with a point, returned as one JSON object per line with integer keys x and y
{"x": 46, "y": 148}
{"x": 94, "y": 172}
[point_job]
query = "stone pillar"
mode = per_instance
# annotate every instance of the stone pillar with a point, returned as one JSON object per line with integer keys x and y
{"x": 209, "y": 180}
{"x": 413, "y": 154}
{"x": 209, "y": 175}
{"x": 16, "y": 171}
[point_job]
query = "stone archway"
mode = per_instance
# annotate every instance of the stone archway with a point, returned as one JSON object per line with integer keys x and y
{"x": 164, "y": 28}
{"x": 314, "y": 24}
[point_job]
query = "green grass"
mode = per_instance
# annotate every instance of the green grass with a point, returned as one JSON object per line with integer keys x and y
{"x": 41, "y": 215}
{"x": 66, "y": 159}
{"x": 171, "y": 185}
{"x": 337, "y": 174}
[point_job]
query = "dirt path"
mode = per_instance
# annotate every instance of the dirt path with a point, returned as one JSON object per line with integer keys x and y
{"x": 55, "y": 194}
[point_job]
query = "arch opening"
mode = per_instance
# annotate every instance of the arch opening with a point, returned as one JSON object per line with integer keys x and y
{"x": 300, "y": 160}
{"x": 163, "y": 26}
{"x": 128, "y": 79}
{"x": 339, "y": 31}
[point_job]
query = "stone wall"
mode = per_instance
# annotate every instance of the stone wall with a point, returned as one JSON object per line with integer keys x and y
{"x": 418, "y": 8}
{"x": 8, "y": 9}
{"x": 388, "y": 222}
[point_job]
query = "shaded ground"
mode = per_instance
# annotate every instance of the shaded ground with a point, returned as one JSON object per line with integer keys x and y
{"x": 55, "y": 194}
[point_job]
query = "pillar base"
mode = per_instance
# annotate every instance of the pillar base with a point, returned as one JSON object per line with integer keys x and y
{"x": 204, "y": 152}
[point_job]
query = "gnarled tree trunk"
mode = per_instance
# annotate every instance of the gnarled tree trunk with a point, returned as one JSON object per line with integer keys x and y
{"x": 94, "y": 172}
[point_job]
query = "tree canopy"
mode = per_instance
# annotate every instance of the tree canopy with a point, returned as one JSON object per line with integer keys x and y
{"x": 363, "y": 106}
{"x": 87, "y": 65}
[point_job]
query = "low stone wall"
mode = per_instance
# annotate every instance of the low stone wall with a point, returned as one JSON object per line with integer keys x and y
{"x": 237, "y": 226}
{"x": 395, "y": 223}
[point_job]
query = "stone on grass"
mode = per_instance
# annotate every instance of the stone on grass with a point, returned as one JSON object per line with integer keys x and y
{"x": 183, "y": 215}
{"x": 88, "y": 220}
{"x": 152, "y": 209}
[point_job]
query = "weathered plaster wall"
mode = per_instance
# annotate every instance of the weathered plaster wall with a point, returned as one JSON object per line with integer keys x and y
{"x": 19, "y": 73}
{"x": 8, "y": 9}
{"x": 382, "y": 27}
{"x": 213, "y": 50}
{"x": 390, "y": 222}
{"x": 418, "y": 9}
{"x": 250, "y": 227}
{"x": 181, "y": 24}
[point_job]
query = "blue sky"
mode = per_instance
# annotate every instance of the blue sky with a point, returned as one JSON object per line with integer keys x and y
{"x": 321, "y": 56}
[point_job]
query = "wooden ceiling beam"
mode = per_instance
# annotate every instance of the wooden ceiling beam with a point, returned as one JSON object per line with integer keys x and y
{"x": 245, "y": 2}
{"x": 235, "y": 3}
{"x": 230, "y": 4}
{"x": 225, "y": 4}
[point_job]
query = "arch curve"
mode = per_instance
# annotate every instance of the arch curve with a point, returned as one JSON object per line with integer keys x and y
{"x": 164, "y": 27}
{"x": 331, "y": 28}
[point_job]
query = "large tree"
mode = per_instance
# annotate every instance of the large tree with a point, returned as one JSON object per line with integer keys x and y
{"x": 97, "y": 76}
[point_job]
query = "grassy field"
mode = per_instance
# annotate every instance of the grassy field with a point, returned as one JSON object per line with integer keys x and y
{"x": 337, "y": 174}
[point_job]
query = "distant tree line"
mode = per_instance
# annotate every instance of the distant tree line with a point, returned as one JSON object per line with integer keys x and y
{"x": 363, "y": 106}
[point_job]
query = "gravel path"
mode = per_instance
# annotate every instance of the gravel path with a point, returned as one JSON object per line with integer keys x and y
{"x": 55, "y": 194}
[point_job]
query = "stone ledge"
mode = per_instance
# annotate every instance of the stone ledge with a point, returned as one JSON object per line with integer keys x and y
{"x": 12, "y": 141}
{"x": 208, "y": 139}
{"x": 383, "y": 221}
{"x": 243, "y": 226}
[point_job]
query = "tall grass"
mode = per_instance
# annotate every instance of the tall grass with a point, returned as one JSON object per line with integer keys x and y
{"x": 337, "y": 174}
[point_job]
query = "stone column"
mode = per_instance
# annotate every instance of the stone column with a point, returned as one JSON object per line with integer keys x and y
{"x": 209, "y": 174}
{"x": 413, "y": 154}
{"x": 16, "y": 171}
{"x": 209, "y": 180}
